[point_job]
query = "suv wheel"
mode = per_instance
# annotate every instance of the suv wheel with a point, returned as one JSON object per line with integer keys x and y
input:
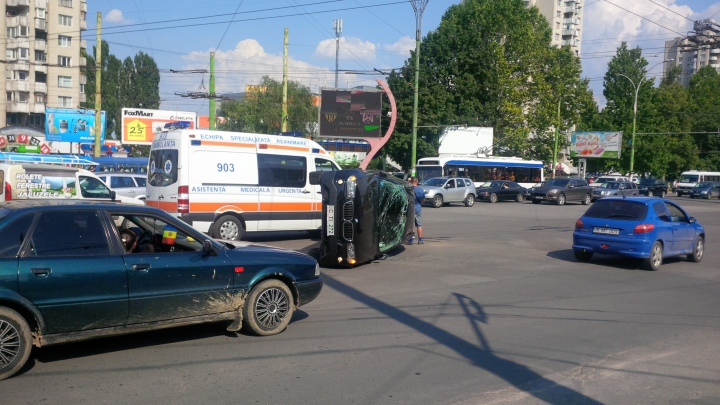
{"x": 561, "y": 199}
{"x": 437, "y": 201}
{"x": 587, "y": 199}
{"x": 15, "y": 342}
{"x": 470, "y": 200}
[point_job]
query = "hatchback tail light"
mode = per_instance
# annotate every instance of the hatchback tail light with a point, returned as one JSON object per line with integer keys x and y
{"x": 8, "y": 192}
{"x": 579, "y": 224}
{"x": 644, "y": 228}
{"x": 183, "y": 206}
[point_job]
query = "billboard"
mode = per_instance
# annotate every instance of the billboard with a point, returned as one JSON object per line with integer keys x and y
{"x": 23, "y": 143}
{"x": 139, "y": 126}
{"x": 596, "y": 145}
{"x": 72, "y": 125}
{"x": 350, "y": 113}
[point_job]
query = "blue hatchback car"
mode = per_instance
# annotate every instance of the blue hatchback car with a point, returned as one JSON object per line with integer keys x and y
{"x": 646, "y": 228}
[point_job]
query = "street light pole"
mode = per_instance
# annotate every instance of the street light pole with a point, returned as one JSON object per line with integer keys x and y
{"x": 419, "y": 7}
{"x": 637, "y": 91}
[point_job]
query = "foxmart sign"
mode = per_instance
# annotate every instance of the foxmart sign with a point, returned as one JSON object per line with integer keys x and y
{"x": 139, "y": 126}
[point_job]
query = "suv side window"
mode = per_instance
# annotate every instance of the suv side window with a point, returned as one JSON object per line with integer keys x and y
{"x": 13, "y": 235}
{"x": 450, "y": 183}
{"x": 582, "y": 183}
{"x": 121, "y": 182}
{"x": 468, "y": 183}
{"x": 140, "y": 181}
{"x": 69, "y": 233}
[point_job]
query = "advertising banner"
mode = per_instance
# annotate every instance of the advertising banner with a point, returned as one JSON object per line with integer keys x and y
{"x": 350, "y": 113}
{"x": 23, "y": 143}
{"x": 37, "y": 183}
{"x": 596, "y": 145}
{"x": 139, "y": 126}
{"x": 72, "y": 125}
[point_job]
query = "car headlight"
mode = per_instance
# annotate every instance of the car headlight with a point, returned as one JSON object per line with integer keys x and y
{"x": 317, "y": 270}
{"x": 350, "y": 187}
{"x": 704, "y": 192}
{"x": 351, "y": 253}
{"x": 553, "y": 191}
{"x": 606, "y": 192}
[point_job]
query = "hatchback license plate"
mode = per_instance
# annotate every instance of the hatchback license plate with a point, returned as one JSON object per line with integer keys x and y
{"x": 606, "y": 231}
{"x": 330, "y": 220}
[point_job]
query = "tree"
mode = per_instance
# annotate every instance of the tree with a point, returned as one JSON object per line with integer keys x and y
{"x": 705, "y": 115}
{"x": 487, "y": 65}
{"x": 262, "y": 112}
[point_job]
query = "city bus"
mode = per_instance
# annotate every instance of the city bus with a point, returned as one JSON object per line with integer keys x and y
{"x": 692, "y": 178}
{"x": 121, "y": 165}
{"x": 527, "y": 173}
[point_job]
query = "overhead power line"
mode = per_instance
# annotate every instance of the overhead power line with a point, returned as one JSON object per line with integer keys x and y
{"x": 644, "y": 18}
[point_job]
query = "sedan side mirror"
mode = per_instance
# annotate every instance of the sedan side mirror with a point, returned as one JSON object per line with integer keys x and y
{"x": 208, "y": 248}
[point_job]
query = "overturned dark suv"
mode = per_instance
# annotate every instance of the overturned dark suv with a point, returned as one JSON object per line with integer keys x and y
{"x": 365, "y": 214}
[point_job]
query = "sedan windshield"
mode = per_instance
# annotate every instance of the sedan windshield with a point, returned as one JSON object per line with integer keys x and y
{"x": 492, "y": 184}
{"x": 436, "y": 182}
{"x": 557, "y": 182}
{"x": 705, "y": 184}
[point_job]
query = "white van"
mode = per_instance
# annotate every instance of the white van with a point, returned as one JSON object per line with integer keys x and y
{"x": 227, "y": 183}
{"x": 23, "y": 178}
{"x": 692, "y": 178}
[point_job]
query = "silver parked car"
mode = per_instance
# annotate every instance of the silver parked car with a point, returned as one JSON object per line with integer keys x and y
{"x": 126, "y": 184}
{"x": 445, "y": 190}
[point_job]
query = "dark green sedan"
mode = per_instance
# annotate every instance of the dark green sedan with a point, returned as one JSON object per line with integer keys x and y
{"x": 76, "y": 270}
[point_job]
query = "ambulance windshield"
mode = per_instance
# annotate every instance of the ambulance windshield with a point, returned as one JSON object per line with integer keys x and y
{"x": 163, "y": 169}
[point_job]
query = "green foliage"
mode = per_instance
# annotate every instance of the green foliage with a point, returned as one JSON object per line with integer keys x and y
{"x": 127, "y": 84}
{"x": 489, "y": 63}
{"x": 262, "y": 112}
{"x": 704, "y": 91}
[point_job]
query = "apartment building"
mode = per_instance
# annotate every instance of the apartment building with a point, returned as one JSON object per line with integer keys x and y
{"x": 43, "y": 67}
{"x": 565, "y": 18}
{"x": 690, "y": 55}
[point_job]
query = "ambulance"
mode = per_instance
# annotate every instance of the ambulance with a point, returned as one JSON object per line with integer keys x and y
{"x": 228, "y": 183}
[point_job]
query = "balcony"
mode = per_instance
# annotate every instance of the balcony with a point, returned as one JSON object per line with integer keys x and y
{"x": 40, "y": 45}
{"x": 38, "y": 108}
{"x": 83, "y": 6}
{"x": 715, "y": 50}
{"x": 567, "y": 33}
{"x": 18, "y": 42}
{"x": 83, "y": 44}
{"x": 41, "y": 3}
{"x": 15, "y": 3}
{"x": 17, "y": 20}
{"x": 573, "y": 21}
{"x": 83, "y": 25}
{"x": 17, "y": 107}
{"x": 40, "y": 87}
{"x": 83, "y": 62}
{"x": 40, "y": 24}
{"x": 713, "y": 58}
{"x": 570, "y": 42}
{"x": 83, "y": 98}
{"x": 83, "y": 79}
{"x": 41, "y": 68}
{"x": 17, "y": 85}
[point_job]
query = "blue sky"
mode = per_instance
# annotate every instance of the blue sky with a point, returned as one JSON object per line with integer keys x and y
{"x": 376, "y": 34}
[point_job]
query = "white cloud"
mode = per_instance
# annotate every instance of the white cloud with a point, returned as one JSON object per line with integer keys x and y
{"x": 116, "y": 16}
{"x": 402, "y": 46}
{"x": 350, "y": 48}
{"x": 605, "y": 26}
{"x": 247, "y": 64}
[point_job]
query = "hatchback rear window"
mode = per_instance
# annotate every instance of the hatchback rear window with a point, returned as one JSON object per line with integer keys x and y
{"x": 618, "y": 209}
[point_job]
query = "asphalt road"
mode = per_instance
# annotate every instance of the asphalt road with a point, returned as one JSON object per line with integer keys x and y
{"x": 492, "y": 309}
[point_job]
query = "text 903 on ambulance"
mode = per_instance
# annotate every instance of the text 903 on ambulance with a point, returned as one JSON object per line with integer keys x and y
{"x": 228, "y": 183}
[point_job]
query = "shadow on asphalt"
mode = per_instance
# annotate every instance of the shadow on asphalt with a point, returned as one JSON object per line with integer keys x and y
{"x": 620, "y": 262}
{"x": 479, "y": 354}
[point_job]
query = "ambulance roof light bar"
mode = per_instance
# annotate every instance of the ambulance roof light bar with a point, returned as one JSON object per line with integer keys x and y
{"x": 10, "y": 157}
{"x": 178, "y": 125}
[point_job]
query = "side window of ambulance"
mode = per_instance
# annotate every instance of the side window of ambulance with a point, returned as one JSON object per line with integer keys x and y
{"x": 282, "y": 171}
{"x": 322, "y": 165}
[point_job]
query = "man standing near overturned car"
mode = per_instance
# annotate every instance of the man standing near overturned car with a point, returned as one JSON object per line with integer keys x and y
{"x": 419, "y": 200}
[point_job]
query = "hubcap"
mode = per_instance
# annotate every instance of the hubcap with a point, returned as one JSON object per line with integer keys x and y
{"x": 271, "y": 308}
{"x": 657, "y": 256}
{"x": 700, "y": 249}
{"x": 9, "y": 344}
{"x": 561, "y": 200}
{"x": 228, "y": 230}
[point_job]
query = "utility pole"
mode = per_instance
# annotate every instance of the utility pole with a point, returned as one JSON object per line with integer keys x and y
{"x": 557, "y": 132}
{"x": 285, "y": 84}
{"x": 98, "y": 85}
{"x": 212, "y": 91}
{"x": 337, "y": 25}
{"x": 419, "y": 7}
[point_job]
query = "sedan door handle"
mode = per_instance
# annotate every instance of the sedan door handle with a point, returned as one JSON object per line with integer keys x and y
{"x": 41, "y": 272}
{"x": 141, "y": 267}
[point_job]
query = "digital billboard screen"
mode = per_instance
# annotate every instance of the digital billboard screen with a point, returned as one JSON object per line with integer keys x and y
{"x": 72, "y": 125}
{"x": 350, "y": 113}
{"x": 596, "y": 145}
